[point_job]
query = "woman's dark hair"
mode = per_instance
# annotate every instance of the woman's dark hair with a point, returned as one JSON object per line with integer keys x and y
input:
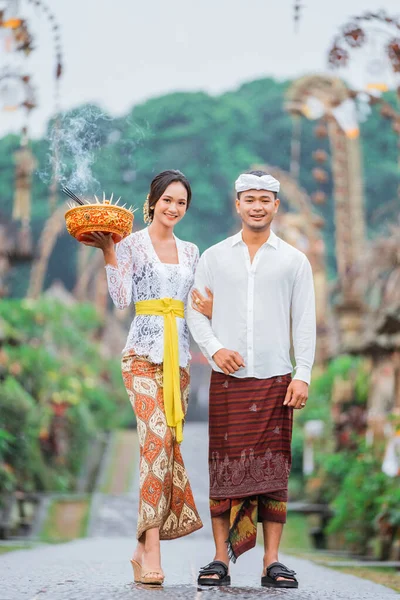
{"x": 258, "y": 174}
{"x": 160, "y": 184}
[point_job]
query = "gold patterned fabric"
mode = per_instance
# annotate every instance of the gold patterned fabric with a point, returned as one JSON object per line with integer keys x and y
{"x": 244, "y": 514}
{"x": 166, "y": 500}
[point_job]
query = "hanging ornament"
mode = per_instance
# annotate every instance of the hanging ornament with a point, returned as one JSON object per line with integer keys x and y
{"x": 346, "y": 116}
{"x": 321, "y": 131}
{"x": 338, "y": 57}
{"x": 11, "y": 23}
{"x": 319, "y": 197}
{"x": 23, "y": 39}
{"x": 393, "y": 50}
{"x": 11, "y": 93}
{"x": 25, "y": 164}
{"x": 354, "y": 35}
{"x": 16, "y": 92}
{"x": 320, "y": 155}
{"x": 396, "y": 126}
{"x": 387, "y": 112}
{"x": 320, "y": 175}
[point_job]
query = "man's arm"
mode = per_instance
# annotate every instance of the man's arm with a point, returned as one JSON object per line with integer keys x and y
{"x": 303, "y": 332}
{"x": 228, "y": 361}
{"x": 303, "y": 321}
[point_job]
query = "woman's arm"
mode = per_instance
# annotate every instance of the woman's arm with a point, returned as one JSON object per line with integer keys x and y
{"x": 203, "y": 305}
{"x": 119, "y": 266}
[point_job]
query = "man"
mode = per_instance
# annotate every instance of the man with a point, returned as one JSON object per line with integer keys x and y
{"x": 263, "y": 295}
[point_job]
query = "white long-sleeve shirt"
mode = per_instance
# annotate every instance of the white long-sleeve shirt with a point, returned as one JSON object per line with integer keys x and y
{"x": 257, "y": 306}
{"x": 140, "y": 275}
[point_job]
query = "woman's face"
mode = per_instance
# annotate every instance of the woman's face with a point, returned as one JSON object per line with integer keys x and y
{"x": 172, "y": 205}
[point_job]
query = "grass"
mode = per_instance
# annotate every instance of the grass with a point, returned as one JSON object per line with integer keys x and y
{"x": 12, "y": 548}
{"x": 295, "y": 534}
{"x": 384, "y": 576}
{"x": 66, "y": 520}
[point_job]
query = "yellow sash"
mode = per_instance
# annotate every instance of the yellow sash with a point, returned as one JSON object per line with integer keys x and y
{"x": 169, "y": 309}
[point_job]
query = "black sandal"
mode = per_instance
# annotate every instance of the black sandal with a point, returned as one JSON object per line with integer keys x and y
{"x": 276, "y": 570}
{"x": 216, "y": 567}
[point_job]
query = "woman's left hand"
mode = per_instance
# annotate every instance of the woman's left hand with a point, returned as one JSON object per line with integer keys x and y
{"x": 201, "y": 304}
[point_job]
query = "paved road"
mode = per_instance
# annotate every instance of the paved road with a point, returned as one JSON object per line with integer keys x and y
{"x": 98, "y": 568}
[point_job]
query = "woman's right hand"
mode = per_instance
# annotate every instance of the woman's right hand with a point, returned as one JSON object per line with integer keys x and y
{"x": 97, "y": 239}
{"x": 201, "y": 304}
{"x": 105, "y": 242}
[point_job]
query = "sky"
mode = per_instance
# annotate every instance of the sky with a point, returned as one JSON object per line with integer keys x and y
{"x": 120, "y": 53}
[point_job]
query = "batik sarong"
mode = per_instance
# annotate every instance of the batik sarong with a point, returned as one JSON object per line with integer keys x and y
{"x": 250, "y": 435}
{"x": 166, "y": 499}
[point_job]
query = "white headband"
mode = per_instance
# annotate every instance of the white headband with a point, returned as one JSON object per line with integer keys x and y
{"x": 254, "y": 182}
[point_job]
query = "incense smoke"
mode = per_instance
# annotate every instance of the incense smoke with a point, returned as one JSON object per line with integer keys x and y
{"x": 75, "y": 142}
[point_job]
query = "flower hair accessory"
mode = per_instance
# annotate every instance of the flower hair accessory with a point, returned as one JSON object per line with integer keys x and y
{"x": 147, "y": 217}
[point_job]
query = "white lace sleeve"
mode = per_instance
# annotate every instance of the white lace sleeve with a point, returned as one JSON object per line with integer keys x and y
{"x": 120, "y": 279}
{"x": 196, "y": 255}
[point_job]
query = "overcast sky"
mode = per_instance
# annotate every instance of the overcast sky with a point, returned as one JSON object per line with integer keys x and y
{"x": 118, "y": 53}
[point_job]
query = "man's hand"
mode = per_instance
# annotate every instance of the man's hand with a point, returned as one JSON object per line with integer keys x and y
{"x": 297, "y": 394}
{"x": 228, "y": 361}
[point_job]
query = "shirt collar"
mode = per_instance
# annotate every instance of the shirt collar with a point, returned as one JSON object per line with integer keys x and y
{"x": 272, "y": 240}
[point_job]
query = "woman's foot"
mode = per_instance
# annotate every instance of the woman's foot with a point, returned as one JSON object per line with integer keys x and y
{"x": 148, "y": 554}
{"x": 151, "y": 565}
{"x": 138, "y": 553}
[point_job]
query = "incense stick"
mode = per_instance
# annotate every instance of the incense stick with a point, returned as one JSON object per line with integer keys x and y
{"x": 71, "y": 195}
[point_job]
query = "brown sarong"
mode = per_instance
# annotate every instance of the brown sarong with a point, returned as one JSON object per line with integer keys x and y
{"x": 250, "y": 434}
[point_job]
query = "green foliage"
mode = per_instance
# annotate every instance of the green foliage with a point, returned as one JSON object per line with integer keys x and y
{"x": 390, "y": 504}
{"x": 55, "y": 390}
{"x": 7, "y": 477}
{"x": 343, "y": 367}
{"x": 350, "y": 480}
{"x": 359, "y": 500}
{"x": 297, "y": 450}
{"x": 22, "y": 422}
{"x": 319, "y": 408}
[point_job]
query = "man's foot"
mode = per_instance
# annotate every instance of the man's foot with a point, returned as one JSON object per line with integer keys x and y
{"x": 277, "y": 575}
{"x": 216, "y": 573}
{"x": 223, "y": 558}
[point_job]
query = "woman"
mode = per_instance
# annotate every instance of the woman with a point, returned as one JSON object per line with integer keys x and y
{"x": 155, "y": 269}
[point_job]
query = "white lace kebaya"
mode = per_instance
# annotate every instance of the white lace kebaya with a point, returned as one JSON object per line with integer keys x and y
{"x": 141, "y": 275}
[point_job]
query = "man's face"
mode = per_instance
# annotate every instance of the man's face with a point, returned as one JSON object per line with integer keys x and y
{"x": 257, "y": 209}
